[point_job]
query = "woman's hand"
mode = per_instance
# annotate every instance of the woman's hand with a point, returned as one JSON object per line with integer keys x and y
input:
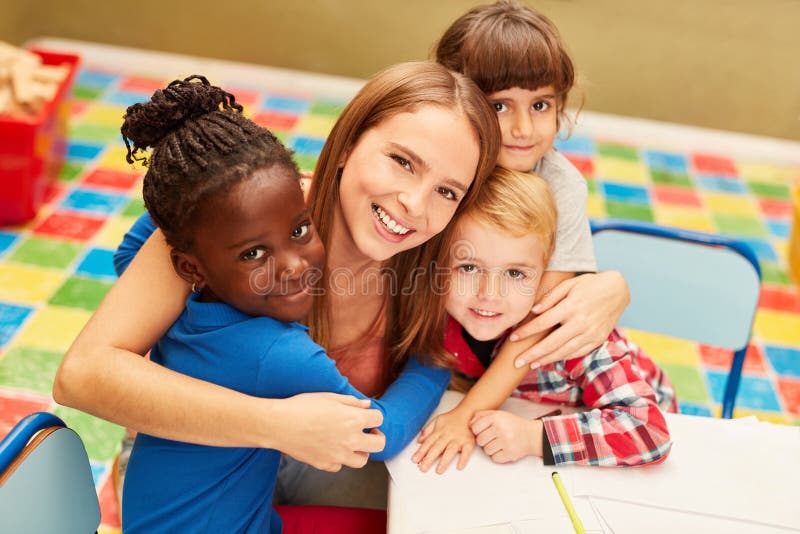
{"x": 583, "y": 310}
{"x": 326, "y": 430}
{"x": 507, "y": 437}
{"x": 445, "y": 436}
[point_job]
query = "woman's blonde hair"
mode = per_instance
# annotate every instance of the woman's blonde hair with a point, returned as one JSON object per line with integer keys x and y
{"x": 415, "y": 315}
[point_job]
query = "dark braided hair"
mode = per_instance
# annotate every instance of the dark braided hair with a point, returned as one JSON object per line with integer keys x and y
{"x": 198, "y": 151}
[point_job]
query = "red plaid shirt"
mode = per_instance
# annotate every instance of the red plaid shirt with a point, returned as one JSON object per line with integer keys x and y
{"x": 625, "y": 390}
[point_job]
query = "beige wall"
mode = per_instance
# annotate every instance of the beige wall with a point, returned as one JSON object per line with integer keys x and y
{"x": 727, "y": 64}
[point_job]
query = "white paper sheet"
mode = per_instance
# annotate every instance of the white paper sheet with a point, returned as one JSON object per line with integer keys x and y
{"x": 628, "y": 518}
{"x": 484, "y": 493}
{"x": 743, "y": 471}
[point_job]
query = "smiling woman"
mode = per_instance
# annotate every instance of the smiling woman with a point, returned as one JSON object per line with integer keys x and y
{"x": 410, "y": 149}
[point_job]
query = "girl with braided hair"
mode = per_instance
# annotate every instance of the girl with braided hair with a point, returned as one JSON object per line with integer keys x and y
{"x": 405, "y": 156}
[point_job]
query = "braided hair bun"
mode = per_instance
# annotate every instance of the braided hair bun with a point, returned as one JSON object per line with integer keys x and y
{"x": 148, "y": 124}
{"x": 202, "y": 147}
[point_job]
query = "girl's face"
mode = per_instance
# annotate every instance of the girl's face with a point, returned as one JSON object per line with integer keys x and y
{"x": 494, "y": 278}
{"x": 257, "y": 250}
{"x": 528, "y": 121}
{"x": 403, "y": 179}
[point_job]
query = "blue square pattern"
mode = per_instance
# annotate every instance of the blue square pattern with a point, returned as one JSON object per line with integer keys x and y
{"x": 625, "y": 193}
{"x": 718, "y": 183}
{"x": 576, "y": 144}
{"x": 286, "y": 104}
{"x": 98, "y": 263}
{"x": 6, "y": 240}
{"x": 84, "y": 151}
{"x": 690, "y": 408}
{"x": 761, "y": 248}
{"x": 755, "y": 393}
{"x": 785, "y": 361}
{"x": 98, "y": 470}
{"x": 779, "y": 229}
{"x": 11, "y": 318}
{"x": 125, "y": 98}
{"x": 308, "y": 145}
{"x": 665, "y": 161}
{"x": 94, "y": 78}
{"x": 94, "y": 201}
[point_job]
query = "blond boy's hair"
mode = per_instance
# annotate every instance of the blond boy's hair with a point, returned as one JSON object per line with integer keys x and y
{"x": 517, "y": 203}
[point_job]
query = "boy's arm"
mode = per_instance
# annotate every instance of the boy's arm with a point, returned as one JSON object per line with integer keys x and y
{"x": 625, "y": 427}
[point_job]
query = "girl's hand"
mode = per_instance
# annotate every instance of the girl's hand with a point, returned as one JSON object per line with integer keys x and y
{"x": 326, "y": 430}
{"x": 445, "y": 436}
{"x": 584, "y": 310}
{"x": 507, "y": 437}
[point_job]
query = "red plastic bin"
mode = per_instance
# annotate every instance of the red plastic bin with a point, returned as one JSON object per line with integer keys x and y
{"x": 32, "y": 148}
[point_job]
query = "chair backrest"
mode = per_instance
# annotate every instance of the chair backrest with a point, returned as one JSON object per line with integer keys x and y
{"x": 46, "y": 482}
{"x": 685, "y": 284}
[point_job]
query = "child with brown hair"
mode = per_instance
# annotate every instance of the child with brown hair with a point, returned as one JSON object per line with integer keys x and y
{"x": 518, "y": 59}
{"x": 499, "y": 249}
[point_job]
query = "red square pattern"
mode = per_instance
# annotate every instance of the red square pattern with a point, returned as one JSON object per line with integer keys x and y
{"x": 677, "y": 195}
{"x": 142, "y": 85}
{"x": 69, "y": 225}
{"x": 789, "y": 390}
{"x": 776, "y": 209}
{"x": 582, "y": 163}
{"x": 721, "y": 358}
{"x": 274, "y": 119}
{"x": 707, "y": 164}
{"x": 121, "y": 180}
{"x": 244, "y": 97}
{"x": 14, "y": 408}
{"x": 109, "y": 509}
{"x": 775, "y": 298}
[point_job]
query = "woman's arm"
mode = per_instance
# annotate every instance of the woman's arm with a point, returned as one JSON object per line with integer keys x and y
{"x": 104, "y": 374}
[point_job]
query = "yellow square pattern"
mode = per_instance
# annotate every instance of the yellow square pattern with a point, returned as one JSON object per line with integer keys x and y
{"x": 110, "y": 235}
{"x": 104, "y": 114}
{"x": 596, "y": 207}
{"x": 690, "y": 219}
{"x": 316, "y": 125}
{"x": 769, "y": 417}
{"x": 27, "y": 284}
{"x": 53, "y": 328}
{"x": 731, "y": 204}
{"x": 777, "y": 327}
{"x": 665, "y": 349}
{"x": 620, "y": 170}
{"x": 114, "y": 159}
{"x": 763, "y": 172}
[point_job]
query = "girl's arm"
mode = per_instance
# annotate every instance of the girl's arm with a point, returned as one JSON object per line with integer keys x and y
{"x": 625, "y": 426}
{"x": 577, "y": 316}
{"x": 104, "y": 374}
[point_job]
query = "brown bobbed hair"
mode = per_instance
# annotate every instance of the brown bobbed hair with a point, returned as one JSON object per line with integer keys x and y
{"x": 415, "y": 312}
{"x": 506, "y": 45}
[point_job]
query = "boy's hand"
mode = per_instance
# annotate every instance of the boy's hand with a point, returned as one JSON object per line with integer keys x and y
{"x": 506, "y": 437}
{"x": 445, "y": 436}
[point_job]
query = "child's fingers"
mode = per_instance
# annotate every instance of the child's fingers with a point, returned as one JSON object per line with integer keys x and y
{"x": 481, "y": 421}
{"x": 422, "y": 451}
{"x": 485, "y": 437}
{"x": 501, "y": 457}
{"x": 493, "y": 447}
{"x": 554, "y": 296}
{"x": 447, "y": 456}
{"x": 426, "y": 431}
{"x": 466, "y": 453}
{"x": 431, "y": 455}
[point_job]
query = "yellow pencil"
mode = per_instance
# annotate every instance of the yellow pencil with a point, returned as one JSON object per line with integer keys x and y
{"x": 573, "y": 516}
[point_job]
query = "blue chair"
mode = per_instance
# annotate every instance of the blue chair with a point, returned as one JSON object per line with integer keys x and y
{"x": 685, "y": 284}
{"x": 46, "y": 482}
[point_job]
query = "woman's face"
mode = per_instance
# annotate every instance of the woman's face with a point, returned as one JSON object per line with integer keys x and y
{"x": 403, "y": 179}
